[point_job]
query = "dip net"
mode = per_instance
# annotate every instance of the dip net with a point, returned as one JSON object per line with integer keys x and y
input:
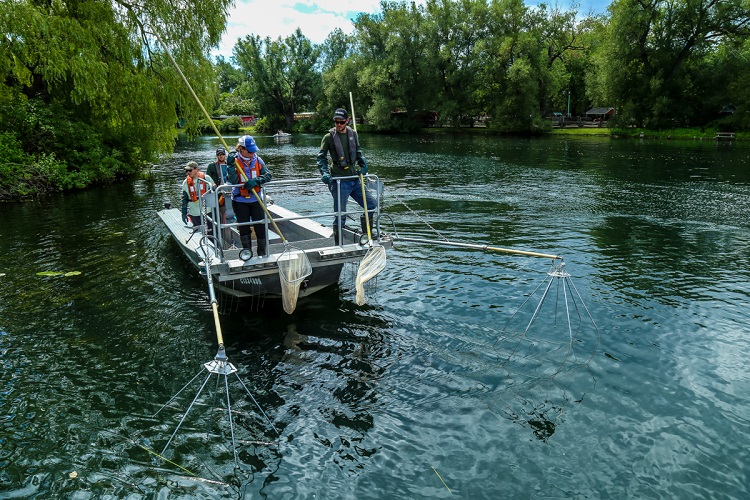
{"x": 371, "y": 265}
{"x": 294, "y": 267}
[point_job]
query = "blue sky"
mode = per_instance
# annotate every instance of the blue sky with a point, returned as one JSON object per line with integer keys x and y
{"x": 316, "y": 18}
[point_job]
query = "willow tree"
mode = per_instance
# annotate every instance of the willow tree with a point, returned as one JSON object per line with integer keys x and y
{"x": 512, "y": 67}
{"x": 87, "y": 88}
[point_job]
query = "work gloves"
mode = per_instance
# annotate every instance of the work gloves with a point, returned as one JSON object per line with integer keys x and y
{"x": 252, "y": 183}
{"x": 326, "y": 179}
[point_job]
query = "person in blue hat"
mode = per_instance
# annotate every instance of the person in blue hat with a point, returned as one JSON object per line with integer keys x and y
{"x": 246, "y": 168}
{"x": 342, "y": 144}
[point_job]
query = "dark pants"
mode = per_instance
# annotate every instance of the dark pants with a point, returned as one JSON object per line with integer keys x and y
{"x": 197, "y": 220}
{"x": 244, "y": 213}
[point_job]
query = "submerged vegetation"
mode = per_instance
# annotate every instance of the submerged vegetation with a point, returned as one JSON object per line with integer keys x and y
{"x": 82, "y": 106}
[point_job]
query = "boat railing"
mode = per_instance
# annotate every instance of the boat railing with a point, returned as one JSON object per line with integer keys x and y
{"x": 290, "y": 193}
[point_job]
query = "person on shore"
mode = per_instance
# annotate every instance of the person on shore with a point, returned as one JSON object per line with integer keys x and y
{"x": 246, "y": 168}
{"x": 342, "y": 144}
{"x": 192, "y": 190}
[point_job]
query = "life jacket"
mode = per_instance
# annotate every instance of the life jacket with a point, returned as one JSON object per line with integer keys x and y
{"x": 192, "y": 192}
{"x": 255, "y": 167}
{"x": 340, "y": 148}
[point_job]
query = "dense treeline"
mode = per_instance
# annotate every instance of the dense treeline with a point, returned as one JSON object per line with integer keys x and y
{"x": 88, "y": 95}
{"x": 659, "y": 63}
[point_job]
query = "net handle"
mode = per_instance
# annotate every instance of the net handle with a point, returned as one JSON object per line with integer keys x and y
{"x": 362, "y": 179}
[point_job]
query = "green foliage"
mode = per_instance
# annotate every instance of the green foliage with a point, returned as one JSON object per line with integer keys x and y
{"x": 232, "y": 124}
{"x": 270, "y": 124}
{"x": 87, "y": 84}
{"x": 658, "y": 61}
{"x": 234, "y": 104}
{"x": 281, "y": 74}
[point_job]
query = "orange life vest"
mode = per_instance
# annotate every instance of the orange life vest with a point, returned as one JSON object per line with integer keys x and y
{"x": 254, "y": 167}
{"x": 191, "y": 187}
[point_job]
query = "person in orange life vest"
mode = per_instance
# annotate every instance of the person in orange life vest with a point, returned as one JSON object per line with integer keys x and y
{"x": 191, "y": 191}
{"x": 246, "y": 168}
{"x": 342, "y": 143}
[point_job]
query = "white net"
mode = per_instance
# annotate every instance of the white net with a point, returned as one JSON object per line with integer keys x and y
{"x": 294, "y": 267}
{"x": 371, "y": 265}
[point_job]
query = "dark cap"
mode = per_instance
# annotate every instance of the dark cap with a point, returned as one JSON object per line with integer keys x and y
{"x": 340, "y": 114}
{"x": 220, "y": 151}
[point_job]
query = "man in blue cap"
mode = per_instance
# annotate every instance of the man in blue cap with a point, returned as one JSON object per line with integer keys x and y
{"x": 342, "y": 143}
{"x": 246, "y": 168}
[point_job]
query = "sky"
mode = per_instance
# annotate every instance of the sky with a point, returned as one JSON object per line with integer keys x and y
{"x": 316, "y": 18}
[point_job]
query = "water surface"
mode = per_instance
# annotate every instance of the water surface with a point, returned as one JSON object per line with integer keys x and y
{"x": 426, "y": 392}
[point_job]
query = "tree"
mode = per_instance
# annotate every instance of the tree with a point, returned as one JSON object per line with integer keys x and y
{"x": 282, "y": 73}
{"x": 453, "y": 31}
{"x": 655, "y": 50}
{"x": 86, "y": 81}
{"x": 229, "y": 77}
{"x": 512, "y": 68}
{"x": 395, "y": 65}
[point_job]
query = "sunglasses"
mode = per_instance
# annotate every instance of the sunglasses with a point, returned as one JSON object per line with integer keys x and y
{"x": 221, "y": 154}
{"x": 339, "y": 122}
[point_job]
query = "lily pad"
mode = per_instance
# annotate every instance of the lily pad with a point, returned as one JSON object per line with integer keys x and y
{"x": 72, "y": 273}
{"x": 49, "y": 273}
{"x": 130, "y": 242}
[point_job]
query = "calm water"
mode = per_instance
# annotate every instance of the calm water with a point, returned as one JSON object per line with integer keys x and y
{"x": 429, "y": 391}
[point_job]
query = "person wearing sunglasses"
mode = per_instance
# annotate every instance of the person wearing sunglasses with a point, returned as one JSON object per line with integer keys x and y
{"x": 192, "y": 191}
{"x": 342, "y": 144}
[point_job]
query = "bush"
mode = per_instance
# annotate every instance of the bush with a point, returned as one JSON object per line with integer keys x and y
{"x": 232, "y": 124}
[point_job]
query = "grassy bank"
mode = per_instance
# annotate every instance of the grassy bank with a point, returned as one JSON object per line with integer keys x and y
{"x": 696, "y": 133}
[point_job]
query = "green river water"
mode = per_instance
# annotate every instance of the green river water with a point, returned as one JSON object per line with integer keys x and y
{"x": 425, "y": 392}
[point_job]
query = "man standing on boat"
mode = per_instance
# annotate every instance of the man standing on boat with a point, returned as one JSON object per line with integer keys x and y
{"x": 192, "y": 190}
{"x": 246, "y": 168}
{"x": 342, "y": 143}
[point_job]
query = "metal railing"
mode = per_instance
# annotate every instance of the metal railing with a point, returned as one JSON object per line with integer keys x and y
{"x": 210, "y": 208}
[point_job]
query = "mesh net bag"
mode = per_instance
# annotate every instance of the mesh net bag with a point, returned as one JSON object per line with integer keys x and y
{"x": 294, "y": 267}
{"x": 371, "y": 265}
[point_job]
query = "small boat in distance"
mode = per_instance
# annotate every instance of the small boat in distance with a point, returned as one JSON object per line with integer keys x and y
{"x": 280, "y": 136}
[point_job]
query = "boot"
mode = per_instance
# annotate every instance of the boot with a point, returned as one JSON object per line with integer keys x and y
{"x": 364, "y": 225}
{"x": 261, "y": 248}
{"x": 336, "y": 240}
{"x": 245, "y": 240}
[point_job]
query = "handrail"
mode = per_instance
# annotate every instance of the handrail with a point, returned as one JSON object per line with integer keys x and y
{"x": 268, "y": 191}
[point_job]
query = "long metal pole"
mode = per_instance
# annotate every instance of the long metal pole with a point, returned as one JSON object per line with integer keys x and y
{"x": 477, "y": 247}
